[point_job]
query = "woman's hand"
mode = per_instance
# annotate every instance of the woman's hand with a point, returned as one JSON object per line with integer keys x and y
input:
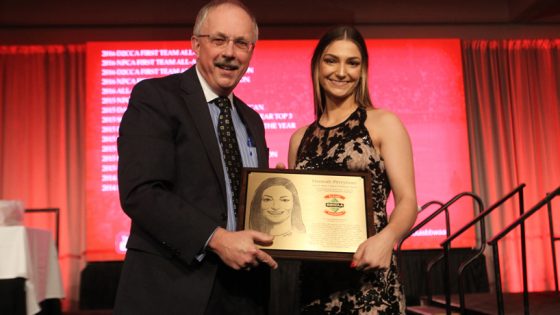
{"x": 391, "y": 137}
{"x": 375, "y": 252}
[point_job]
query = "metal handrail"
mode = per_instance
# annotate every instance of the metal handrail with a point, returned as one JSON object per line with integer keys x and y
{"x": 495, "y": 251}
{"x": 418, "y": 227}
{"x": 553, "y": 238}
{"x": 56, "y": 223}
{"x": 425, "y": 221}
{"x": 445, "y": 255}
{"x": 446, "y": 248}
{"x": 480, "y": 217}
{"x": 518, "y": 189}
{"x": 411, "y": 232}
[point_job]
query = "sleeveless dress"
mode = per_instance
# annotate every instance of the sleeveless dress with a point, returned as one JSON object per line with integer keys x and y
{"x": 335, "y": 288}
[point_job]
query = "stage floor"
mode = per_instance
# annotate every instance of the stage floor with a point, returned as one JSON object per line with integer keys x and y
{"x": 540, "y": 303}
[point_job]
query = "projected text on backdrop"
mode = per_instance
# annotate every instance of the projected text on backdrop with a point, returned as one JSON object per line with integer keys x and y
{"x": 420, "y": 80}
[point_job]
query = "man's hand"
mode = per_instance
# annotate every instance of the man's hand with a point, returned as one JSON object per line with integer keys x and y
{"x": 238, "y": 249}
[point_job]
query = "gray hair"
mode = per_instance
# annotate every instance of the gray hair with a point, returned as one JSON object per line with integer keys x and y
{"x": 203, "y": 14}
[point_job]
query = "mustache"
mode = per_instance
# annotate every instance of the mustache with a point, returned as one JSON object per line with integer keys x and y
{"x": 226, "y": 63}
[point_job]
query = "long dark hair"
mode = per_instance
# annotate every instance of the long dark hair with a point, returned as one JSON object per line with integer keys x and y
{"x": 256, "y": 221}
{"x": 340, "y": 33}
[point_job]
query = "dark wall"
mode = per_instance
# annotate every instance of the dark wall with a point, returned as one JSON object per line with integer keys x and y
{"x": 66, "y": 21}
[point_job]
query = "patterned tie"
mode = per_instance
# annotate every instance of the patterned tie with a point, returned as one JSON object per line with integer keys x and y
{"x": 230, "y": 149}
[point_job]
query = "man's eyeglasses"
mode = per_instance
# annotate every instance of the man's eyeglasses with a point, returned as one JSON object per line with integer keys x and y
{"x": 222, "y": 41}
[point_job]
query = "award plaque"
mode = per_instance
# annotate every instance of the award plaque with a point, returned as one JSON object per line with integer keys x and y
{"x": 314, "y": 215}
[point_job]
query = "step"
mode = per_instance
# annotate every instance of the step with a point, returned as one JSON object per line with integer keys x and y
{"x": 427, "y": 310}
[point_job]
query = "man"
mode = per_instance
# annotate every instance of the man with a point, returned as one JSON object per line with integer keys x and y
{"x": 184, "y": 255}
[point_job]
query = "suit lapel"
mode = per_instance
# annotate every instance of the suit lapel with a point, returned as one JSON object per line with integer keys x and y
{"x": 195, "y": 103}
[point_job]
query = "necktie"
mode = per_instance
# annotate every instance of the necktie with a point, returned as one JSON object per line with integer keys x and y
{"x": 230, "y": 148}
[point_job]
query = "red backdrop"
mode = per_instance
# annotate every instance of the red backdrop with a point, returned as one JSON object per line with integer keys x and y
{"x": 420, "y": 80}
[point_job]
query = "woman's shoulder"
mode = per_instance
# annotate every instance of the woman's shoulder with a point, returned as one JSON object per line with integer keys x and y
{"x": 383, "y": 125}
{"x": 298, "y": 134}
{"x": 300, "y": 131}
{"x": 382, "y": 118}
{"x": 380, "y": 114}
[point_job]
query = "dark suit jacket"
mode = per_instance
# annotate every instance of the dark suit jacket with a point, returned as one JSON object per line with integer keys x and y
{"x": 172, "y": 186}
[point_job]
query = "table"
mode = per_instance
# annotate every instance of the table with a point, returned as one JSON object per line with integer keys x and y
{"x": 30, "y": 254}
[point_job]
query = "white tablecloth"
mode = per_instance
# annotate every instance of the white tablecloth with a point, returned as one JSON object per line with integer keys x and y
{"x": 30, "y": 253}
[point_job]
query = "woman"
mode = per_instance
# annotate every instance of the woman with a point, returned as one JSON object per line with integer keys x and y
{"x": 275, "y": 209}
{"x": 349, "y": 134}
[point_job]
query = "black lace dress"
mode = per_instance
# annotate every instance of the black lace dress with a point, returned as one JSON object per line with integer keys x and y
{"x": 335, "y": 288}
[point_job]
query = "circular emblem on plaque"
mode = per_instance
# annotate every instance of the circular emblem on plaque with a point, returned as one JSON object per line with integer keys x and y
{"x": 334, "y": 204}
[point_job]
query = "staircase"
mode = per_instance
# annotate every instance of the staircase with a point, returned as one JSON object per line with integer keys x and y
{"x": 489, "y": 303}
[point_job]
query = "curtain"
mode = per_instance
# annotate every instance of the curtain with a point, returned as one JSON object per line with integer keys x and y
{"x": 42, "y": 102}
{"x": 512, "y": 90}
{"x": 513, "y": 101}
